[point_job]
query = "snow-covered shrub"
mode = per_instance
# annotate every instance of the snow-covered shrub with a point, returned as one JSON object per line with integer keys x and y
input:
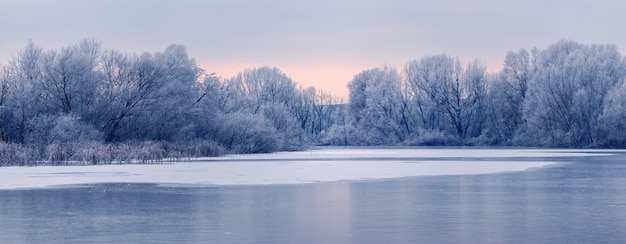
{"x": 339, "y": 135}
{"x": 247, "y": 133}
{"x": 172, "y": 151}
{"x": 121, "y": 153}
{"x": 69, "y": 128}
{"x": 6, "y": 154}
{"x": 58, "y": 153}
{"x": 289, "y": 134}
{"x": 203, "y": 148}
{"x": 92, "y": 153}
{"x": 150, "y": 152}
{"x": 137, "y": 152}
{"x": 17, "y": 154}
{"x": 433, "y": 138}
{"x": 38, "y": 128}
{"x": 46, "y": 129}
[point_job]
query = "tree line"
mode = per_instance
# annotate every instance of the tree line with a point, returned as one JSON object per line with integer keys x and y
{"x": 567, "y": 95}
{"x": 86, "y": 103}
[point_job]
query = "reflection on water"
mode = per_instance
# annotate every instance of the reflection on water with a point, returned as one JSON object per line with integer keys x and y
{"x": 582, "y": 202}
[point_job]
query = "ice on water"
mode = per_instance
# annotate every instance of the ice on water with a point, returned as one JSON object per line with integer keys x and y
{"x": 320, "y": 165}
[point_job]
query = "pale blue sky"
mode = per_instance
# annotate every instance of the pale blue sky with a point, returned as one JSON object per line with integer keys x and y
{"x": 321, "y": 43}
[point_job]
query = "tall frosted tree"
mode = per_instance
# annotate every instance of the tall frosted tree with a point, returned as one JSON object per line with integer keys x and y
{"x": 447, "y": 97}
{"x": 179, "y": 83}
{"x": 263, "y": 86}
{"x": 69, "y": 77}
{"x": 145, "y": 96}
{"x": 5, "y": 116}
{"x": 507, "y": 94}
{"x": 375, "y": 107}
{"x": 131, "y": 91}
{"x": 567, "y": 93}
{"x": 613, "y": 118}
{"x": 20, "y": 78}
{"x": 474, "y": 99}
{"x": 268, "y": 96}
{"x": 316, "y": 111}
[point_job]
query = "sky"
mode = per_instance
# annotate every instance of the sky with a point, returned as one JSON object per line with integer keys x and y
{"x": 321, "y": 43}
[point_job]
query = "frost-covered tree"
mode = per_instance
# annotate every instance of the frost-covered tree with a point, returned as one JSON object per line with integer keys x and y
{"x": 202, "y": 118}
{"x": 317, "y": 112}
{"x": 20, "y": 77}
{"x": 375, "y": 107}
{"x": 447, "y": 97}
{"x": 69, "y": 77}
{"x": 147, "y": 96}
{"x": 613, "y": 118}
{"x": 46, "y": 129}
{"x": 175, "y": 97}
{"x": 431, "y": 81}
{"x": 474, "y": 99}
{"x": 132, "y": 92}
{"x": 242, "y": 132}
{"x": 269, "y": 93}
{"x": 262, "y": 86}
{"x": 567, "y": 93}
{"x": 507, "y": 93}
{"x": 5, "y": 113}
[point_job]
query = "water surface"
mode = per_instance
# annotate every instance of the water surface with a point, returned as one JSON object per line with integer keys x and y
{"x": 580, "y": 201}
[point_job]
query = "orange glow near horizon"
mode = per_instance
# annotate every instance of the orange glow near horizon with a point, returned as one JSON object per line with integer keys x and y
{"x": 332, "y": 78}
{"x": 329, "y": 78}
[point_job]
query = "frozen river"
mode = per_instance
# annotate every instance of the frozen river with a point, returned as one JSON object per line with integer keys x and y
{"x": 541, "y": 196}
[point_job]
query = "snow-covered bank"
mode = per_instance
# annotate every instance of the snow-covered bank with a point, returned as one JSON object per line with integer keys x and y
{"x": 289, "y": 168}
